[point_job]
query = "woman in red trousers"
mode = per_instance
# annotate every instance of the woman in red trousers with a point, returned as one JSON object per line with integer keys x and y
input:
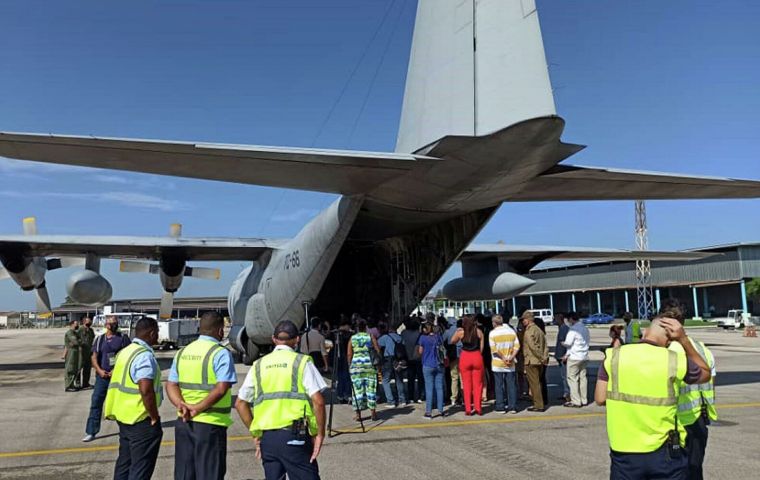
{"x": 470, "y": 363}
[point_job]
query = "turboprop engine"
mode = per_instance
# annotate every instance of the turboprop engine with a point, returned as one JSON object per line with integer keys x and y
{"x": 87, "y": 287}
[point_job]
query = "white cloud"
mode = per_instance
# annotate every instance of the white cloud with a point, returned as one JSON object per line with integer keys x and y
{"x": 130, "y": 199}
{"x": 112, "y": 179}
{"x": 23, "y": 167}
{"x": 302, "y": 214}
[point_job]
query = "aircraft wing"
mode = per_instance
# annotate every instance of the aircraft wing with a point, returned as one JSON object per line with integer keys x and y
{"x": 522, "y": 258}
{"x": 123, "y": 247}
{"x": 335, "y": 171}
{"x": 568, "y": 182}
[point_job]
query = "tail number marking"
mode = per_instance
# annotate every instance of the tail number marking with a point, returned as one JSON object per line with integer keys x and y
{"x": 292, "y": 260}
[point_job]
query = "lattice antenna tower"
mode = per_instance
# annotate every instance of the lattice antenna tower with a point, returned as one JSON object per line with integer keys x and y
{"x": 644, "y": 295}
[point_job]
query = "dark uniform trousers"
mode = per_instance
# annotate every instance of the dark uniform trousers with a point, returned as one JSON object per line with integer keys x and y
{"x": 662, "y": 464}
{"x": 200, "y": 451}
{"x": 280, "y": 458}
{"x": 696, "y": 443}
{"x": 138, "y": 450}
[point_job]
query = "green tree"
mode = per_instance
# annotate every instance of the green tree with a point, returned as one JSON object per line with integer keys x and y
{"x": 753, "y": 288}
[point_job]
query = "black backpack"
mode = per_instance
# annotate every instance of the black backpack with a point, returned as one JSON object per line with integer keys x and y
{"x": 399, "y": 353}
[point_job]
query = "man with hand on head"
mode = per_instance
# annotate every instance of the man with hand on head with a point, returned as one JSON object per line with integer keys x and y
{"x": 288, "y": 416}
{"x": 639, "y": 384}
{"x": 133, "y": 398}
{"x": 200, "y": 380}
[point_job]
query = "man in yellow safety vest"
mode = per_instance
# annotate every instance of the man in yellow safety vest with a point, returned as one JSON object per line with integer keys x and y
{"x": 639, "y": 384}
{"x": 199, "y": 386}
{"x": 134, "y": 395}
{"x": 288, "y": 416}
{"x": 696, "y": 402}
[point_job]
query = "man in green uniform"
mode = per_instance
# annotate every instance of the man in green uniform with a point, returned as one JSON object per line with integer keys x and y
{"x": 72, "y": 350}
{"x": 87, "y": 335}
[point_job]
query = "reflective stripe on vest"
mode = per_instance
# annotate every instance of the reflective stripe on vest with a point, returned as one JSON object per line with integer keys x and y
{"x": 293, "y": 394}
{"x": 193, "y": 367}
{"x": 641, "y": 396}
{"x": 279, "y": 394}
{"x": 123, "y": 401}
{"x": 691, "y": 397}
{"x": 615, "y": 393}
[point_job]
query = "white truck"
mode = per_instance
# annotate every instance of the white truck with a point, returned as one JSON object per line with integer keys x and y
{"x": 176, "y": 333}
{"x": 544, "y": 314}
{"x": 736, "y": 319}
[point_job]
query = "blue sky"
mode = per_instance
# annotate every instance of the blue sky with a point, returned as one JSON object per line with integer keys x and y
{"x": 669, "y": 86}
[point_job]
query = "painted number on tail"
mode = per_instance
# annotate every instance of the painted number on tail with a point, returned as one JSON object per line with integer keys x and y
{"x": 292, "y": 260}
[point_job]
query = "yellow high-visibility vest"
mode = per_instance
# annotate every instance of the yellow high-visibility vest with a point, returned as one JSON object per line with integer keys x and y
{"x": 279, "y": 395}
{"x": 642, "y": 399}
{"x": 196, "y": 378}
{"x": 691, "y": 397}
{"x": 123, "y": 401}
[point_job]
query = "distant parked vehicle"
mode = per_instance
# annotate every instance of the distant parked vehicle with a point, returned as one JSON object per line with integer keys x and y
{"x": 736, "y": 319}
{"x": 598, "y": 319}
{"x": 544, "y": 314}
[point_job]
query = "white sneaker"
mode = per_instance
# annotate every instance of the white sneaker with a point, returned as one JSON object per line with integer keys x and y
{"x": 88, "y": 438}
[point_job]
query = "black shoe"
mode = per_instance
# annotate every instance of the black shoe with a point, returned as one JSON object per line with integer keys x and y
{"x": 534, "y": 409}
{"x": 87, "y": 387}
{"x": 72, "y": 389}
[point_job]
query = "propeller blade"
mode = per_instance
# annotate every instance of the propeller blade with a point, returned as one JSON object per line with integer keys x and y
{"x": 175, "y": 230}
{"x": 204, "y": 273}
{"x": 167, "y": 305}
{"x": 64, "y": 262}
{"x": 43, "y": 301}
{"x": 30, "y": 226}
{"x": 4, "y": 274}
{"x": 137, "y": 267}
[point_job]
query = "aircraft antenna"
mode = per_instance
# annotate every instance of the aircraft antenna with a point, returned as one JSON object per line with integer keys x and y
{"x": 644, "y": 295}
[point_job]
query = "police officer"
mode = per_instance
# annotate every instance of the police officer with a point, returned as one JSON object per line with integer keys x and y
{"x": 72, "y": 352}
{"x": 199, "y": 386}
{"x": 696, "y": 402}
{"x": 632, "y": 328}
{"x": 87, "y": 336}
{"x": 133, "y": 398}
{"x": 639, "y": 384}
{"x": 288, "y": 417}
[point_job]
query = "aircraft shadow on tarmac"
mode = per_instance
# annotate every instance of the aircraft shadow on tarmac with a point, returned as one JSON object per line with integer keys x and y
{"x": 30, "y": 366}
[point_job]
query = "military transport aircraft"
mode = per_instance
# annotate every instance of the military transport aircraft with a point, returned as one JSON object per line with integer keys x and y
{"x": 478, "y": 128}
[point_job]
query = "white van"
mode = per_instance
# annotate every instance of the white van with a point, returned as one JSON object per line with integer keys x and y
{"x": 544, "y": 314}
{"x": 126, "y": 320}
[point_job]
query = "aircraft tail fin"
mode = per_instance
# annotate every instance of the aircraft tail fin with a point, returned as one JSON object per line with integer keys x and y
{"x": 476, "y": 66}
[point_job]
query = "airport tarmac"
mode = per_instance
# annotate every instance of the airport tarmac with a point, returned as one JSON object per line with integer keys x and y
{"x": 42, "y": 427}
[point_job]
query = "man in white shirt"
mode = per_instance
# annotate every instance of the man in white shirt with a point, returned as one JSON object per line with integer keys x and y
{"x": 504, "y": 347}
{"x": 577, "y": 342}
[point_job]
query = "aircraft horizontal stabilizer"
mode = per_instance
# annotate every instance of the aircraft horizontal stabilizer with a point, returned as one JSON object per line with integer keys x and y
{"x": 335, "y": 171}
{"x": 568, "y": 182}
{"x": 479, "y": 259}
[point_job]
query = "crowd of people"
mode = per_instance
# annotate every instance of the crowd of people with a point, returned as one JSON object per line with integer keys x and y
{"x": 450, "y": 363}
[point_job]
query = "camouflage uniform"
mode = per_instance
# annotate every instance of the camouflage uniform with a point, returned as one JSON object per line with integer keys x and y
{"x": 73, "y": 343}
{"x": 87, "y": 336}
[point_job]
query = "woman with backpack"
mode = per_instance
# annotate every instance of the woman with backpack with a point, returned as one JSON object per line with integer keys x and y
{"x": 470, "y": 364}
{"x": 394, "y": 364}
{"x": 430, "y": 348}
{"x": 361, "y": 350}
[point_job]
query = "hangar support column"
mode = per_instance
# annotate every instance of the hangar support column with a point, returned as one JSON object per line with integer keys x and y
{"x": 696, "y": 303}
{"x": 744, "y": 296}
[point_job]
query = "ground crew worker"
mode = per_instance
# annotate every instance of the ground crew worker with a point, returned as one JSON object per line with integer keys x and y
{"x": 638, "y": 383}
{"x": 104, "y": 351}
{"x": 199, "y": 386}
{"x": 632, "y": 328}
{"x": 696, "y": 402}
{"x": 288, "y": 417}
{"x": 87, "y": 335}
{"x": 133, "y": 398}
{"x": 72, "y": 350}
